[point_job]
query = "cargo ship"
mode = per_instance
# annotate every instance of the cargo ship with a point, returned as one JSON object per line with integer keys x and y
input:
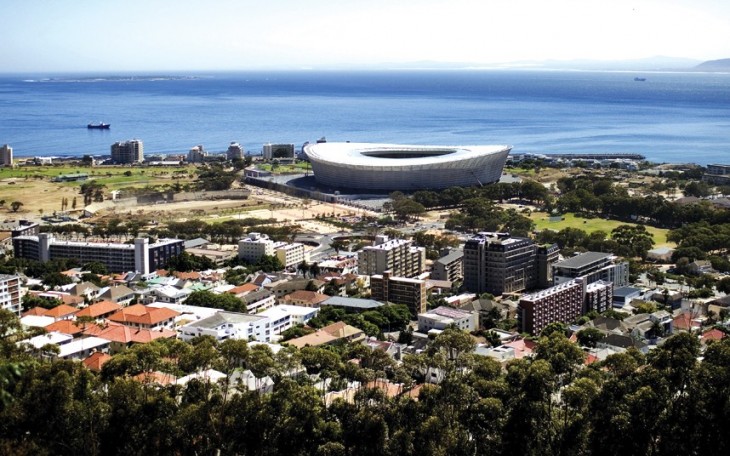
{"x": 99, "y": 126}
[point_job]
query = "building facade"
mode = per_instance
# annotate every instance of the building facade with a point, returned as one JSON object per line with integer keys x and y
{"x": 229, "y": 325}
{"x": 128, "y": 152}
{"x": 141, "y": 256}
{"x": 234, "y": 152}
{"x": 400, "y": 290}
{"x": 6, "y": 155}
{"x": 593, "y": 266}
{"x": 10, "y": 293}
{"x": 449, "y": 267}
{"x": 497, "y": 263}
{"x": 197, "y": 154}
{"x": 289, "y": 255}
{"x": 443, "y": 317}
{"x": 254, "y": 247}
{"x": 398, "y": 256}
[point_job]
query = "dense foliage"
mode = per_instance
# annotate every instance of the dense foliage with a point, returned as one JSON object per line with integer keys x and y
{"x": 665, "y": 403}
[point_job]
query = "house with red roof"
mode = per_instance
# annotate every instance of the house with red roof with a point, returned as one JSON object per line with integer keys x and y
{"x": 96, "y": 360}
{"x": 62, "y": 312}
{"x": 123, "y": 337}
{"x": 99, "y": 310}
{"x": 145, "y": 317}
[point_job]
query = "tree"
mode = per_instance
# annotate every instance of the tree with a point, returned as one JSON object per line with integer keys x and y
{"x": 16, "y": 205}
{"x": 633, "y": 241}
{"x": 589, "y": 337}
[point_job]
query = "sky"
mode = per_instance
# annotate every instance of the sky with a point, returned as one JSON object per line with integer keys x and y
{"x": 147, "y": 35}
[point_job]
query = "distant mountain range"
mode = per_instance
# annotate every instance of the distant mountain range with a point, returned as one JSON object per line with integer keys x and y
{"x": 657, "y": 63}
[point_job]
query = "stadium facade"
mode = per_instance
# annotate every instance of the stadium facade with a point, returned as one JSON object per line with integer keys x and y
{"x": 404, "y": 167}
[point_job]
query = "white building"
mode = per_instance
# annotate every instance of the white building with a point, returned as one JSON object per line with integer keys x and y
{"x": 82, "y": 348}
{"x": 289, "y": 254}
{"x": 442, "y": 317}
{"x": 254, "y": 247}
{"x": 399, "y": 256}
{"x": 10, "y": 298}
{"x": 229, "y": 325}
{"x": 286, "y": 316}
{"x": 197, "y": 154}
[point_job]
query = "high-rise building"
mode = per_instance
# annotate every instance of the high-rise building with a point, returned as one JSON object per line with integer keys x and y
{"x": 10, "y": 293}
{"x": 234, "y": 152}
{"x": 399, "y": 256}
{"x": 497, "y": 263}
{"x": 128, "y": 152}
{"x": 6, "y": 155}
{"x": 197, "y": 154}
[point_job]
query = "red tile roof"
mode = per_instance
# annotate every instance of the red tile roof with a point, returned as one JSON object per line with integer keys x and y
{"x": 157, "y": 377}
{"x": 307, "y": 297}
{"x": 65, "y": 326}
{"x": 713, "y": 334}
{"x": 193, "y": 275}
{"x": 245, "y": 288}
{"x": 143, "y": 315}
{"x": 99, "y": 309}
{"x": 125, "y": 334}
{"x": 61, "y": 311}
{"x": 96, "y": 361}
{"x": 35, "y": 311}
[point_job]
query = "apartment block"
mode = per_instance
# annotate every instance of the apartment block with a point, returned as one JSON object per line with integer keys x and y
{"x": 234, "y": 152}
{"x": 449, "y": 267}
{"x": 398, "y": 256}
{"x": 497, "y": 263}
{"x": 141, "y": 256}
{"x": 562, "y": 303}
{"x": 127, "y": 152}
{"x": 6, "y": 155}
{"x": 254, "y": 247}
{"x": 443, "y": 317}
{"x": 289, "y": 254}
{"x": 399, "y": 290}
{"x": 593, "y": 266}
{"x": 10, "y": 293}
{"x": 229, "y": 325}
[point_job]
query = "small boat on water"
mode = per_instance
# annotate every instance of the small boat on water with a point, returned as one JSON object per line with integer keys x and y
{"x": 637, "y": 79}
{"x": 99, "y": 126}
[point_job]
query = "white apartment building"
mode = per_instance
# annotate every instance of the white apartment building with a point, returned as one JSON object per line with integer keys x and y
{"x": 10, "y": 293}
{"x": 286, "y": 316}
{"x": 397, "y": 255}
{"x": 254, "y": 247}
{"x": 442, "y": 317}
{"x": 6, "y": 155}
{"x": 289, "y": 254}
{"x": 229, "y": 325}
{"x": 197, "y": 154}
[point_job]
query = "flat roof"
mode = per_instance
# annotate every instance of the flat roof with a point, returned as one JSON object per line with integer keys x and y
{"x": 358, "y": 303}
{"x": 222, "y": 317}
{"x": 582, "y": 260}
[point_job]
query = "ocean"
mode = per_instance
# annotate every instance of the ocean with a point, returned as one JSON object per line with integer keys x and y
{"x": 669, "y": 117}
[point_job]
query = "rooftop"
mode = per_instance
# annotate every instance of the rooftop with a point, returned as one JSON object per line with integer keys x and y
{"x": 358, "y": 303}
{"x": 583, "y": 260}
{"x": 223, "y": 317}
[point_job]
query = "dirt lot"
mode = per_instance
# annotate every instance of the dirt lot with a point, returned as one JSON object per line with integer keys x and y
{"x": 39, "y": 197}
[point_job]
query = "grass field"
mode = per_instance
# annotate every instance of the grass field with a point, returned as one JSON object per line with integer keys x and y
{"x": 296, "y": 168}
{"x": 570, "y": 220}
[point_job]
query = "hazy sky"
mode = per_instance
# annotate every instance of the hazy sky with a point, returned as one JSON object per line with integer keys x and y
{"x": 141, "y": 35}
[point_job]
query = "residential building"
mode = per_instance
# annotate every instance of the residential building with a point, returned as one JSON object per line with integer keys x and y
{"x": 332, "y": 334}
{"x": 127, "y": 152}
{"x": 81, "y": 348}
{"x": 399, "y": 290}
{"x": 120, "y": 294}
{"x": 593, "y": 266}
{"x": 717, "y": 174}
{"x": 234, "y": 152}
{"x": 398, "y": 256}
{"x": 547, "y": 256}
{"x": 229, "y": 325}
{"x": 352, "y": 304}
{"x": 281, "y": 288}
{"x": 561, "y": 303}
{"x": 443, "y": 317}
{"x": 449, "y": 267}
{"x": 254, "y": 247}
{"x": 497, "y": 263}
{"x": 305, "y": 298}
{"x": 145, "y": 317}
{"x": 6, "y": 156}
{"x": 623, "y": 296}
{"x": 10, "y": 298}
{"x": 285, "y": 316}
{"x": 141, "y": 256}
{"x": 290, "y": 255}
{"x": 278, "y": 151}
{"x": 258, "y": 300}
{"x": 99, "y": 310}
{"x": 197, "y": 154}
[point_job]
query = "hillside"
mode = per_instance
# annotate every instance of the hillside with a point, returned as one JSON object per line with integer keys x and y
{"x": 714, "y": 65}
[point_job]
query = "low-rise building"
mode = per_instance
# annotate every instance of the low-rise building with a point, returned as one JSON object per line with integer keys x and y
{"x": 399, "y": 290}
{"x": 145, "y": 317}
{"x": 352, "y": 304}
{"x": 443, "y": 317}
{"x": 229, "y": 325}
{"x": 10, "y": 298}
{"x": 285, "y": 316}
{"x": 332, "y": 334}
{"x": 258, "y": 300}
{"x": 305, "y": 298}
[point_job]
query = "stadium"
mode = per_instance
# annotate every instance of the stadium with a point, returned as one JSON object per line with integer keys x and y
{"x": 404, "y": 167}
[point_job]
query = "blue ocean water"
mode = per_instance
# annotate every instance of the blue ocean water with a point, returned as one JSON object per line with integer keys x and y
{"x": 669, "y": 117}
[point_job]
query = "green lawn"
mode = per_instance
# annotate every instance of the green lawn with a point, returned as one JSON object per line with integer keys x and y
{"x": 296, "y": 168}
{"x": 570, "y": 220}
